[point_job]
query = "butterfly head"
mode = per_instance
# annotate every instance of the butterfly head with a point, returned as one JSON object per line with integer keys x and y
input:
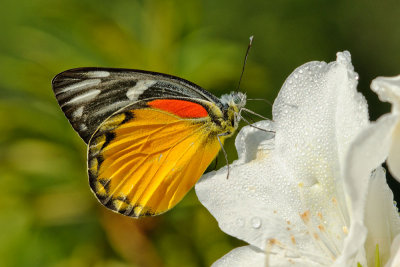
{"x": 232, "y": 104}
{"x": 232, "y": 99}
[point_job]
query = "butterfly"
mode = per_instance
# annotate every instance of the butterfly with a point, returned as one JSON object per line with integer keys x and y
{"x": 150, "y": 136}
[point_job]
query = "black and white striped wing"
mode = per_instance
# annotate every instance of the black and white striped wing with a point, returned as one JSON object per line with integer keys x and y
{"x": 88, "y": 96}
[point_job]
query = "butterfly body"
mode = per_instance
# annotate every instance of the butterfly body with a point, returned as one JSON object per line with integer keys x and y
{"x": 150, "y": 136}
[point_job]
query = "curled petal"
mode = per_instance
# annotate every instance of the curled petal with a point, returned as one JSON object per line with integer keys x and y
{"x": 388, "y": 90}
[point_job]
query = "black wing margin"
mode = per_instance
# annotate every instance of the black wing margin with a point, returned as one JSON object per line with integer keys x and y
{"x": 88, "y": 96}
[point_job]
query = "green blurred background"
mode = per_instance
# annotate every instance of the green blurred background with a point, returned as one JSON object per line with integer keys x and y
{"x": 48, "y": 216}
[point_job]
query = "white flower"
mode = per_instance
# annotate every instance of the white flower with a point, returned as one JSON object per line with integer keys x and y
{"x": 314, "y": 194}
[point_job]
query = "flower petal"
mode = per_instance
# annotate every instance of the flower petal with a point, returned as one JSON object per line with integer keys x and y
{"x": 393, "y": 159}
{"x": 320, "y": 108}
{"x": 249, "y": 140}
{"x": 388, "y": 90}
{"x": 367, "y": 152}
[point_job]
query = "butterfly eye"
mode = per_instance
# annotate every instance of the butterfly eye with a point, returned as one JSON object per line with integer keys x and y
{"x": 236, "y": 98}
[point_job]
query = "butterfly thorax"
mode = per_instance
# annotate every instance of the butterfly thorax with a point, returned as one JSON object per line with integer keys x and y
{"x": 226, "y": 118}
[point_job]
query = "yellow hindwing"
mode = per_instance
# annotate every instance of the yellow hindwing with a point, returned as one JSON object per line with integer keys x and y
{"x": 143, "y": 161}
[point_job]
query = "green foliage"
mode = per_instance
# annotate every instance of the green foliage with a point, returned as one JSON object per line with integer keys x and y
{"x": 48, "y": 215}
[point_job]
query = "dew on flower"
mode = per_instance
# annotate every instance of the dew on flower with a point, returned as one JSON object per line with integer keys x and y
{"x": 255, "y": 222}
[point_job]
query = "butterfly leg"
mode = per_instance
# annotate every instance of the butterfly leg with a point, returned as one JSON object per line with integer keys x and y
{"x": 258, "y": 128}
{"x": 251, "y": 112}
{"x": 223, "y": 150}
{"x": 250, "y": 124}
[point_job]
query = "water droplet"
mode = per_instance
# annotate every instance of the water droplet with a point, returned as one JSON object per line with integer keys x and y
{"x": 255, "y": 222}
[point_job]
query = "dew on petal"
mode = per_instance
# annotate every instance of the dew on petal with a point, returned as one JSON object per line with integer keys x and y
{"x": 255, "y": 222}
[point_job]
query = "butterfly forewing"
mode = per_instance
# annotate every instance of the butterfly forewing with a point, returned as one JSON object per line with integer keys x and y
{"x": 88, "y": 96}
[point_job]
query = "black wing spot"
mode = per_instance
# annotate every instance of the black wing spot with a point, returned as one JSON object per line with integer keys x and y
{"x": 108, "y": 204}
{"x": 109, "y": 137}
{"x": 101, "y": 188}
{"x": 128, "y": 116}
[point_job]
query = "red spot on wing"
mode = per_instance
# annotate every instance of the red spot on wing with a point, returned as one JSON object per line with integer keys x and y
{"x": 182, "y": 108}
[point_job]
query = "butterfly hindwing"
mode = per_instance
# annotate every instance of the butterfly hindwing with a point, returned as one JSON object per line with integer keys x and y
{"x": 145, "y": 158}
{"x": 88, "y": 96}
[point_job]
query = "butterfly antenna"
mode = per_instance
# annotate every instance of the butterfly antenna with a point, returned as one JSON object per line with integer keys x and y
{"x": 245, "y": 60}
